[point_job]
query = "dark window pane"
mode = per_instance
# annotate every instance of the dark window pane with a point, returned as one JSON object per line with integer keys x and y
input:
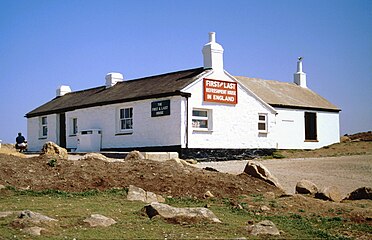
{"x": 310, "y": 126}
{"x": 261, "y": 117}
{"x": 261, "y": 126}
{"x": 199, "y": 113}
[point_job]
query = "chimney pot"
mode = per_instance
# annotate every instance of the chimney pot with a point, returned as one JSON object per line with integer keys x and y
{"x": 62, "y": 90}
{"x": 112, "y": 78}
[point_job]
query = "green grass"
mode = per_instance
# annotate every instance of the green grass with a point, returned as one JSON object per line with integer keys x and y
{"x": 72, "y": 208}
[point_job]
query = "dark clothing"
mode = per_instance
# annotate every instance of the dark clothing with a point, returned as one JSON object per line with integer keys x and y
{"x": 20, "y": 139}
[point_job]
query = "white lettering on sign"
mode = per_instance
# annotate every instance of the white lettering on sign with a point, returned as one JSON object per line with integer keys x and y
{"x": 220, "y": 91}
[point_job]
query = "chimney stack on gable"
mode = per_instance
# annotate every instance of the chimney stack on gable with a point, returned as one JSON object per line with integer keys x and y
{"x": 300, "y": 76}
{"x": 113, "y": 78}
{"x": 62, "y": 90}
{"x": 213, "y": 54}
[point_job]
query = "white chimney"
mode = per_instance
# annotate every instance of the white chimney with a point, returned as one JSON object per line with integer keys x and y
{"x": 62, "y": 90}
{"x": 300, "y": 76}
{"x": 113, "y": 78}
{"x": 213, "y": 54}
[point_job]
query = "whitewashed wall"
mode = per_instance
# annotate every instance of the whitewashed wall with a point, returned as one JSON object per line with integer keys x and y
{"x": 234, "y": 126}
{"x": 291, "y": 129}
{"x": 35, "y": 142}
{"x": 147, "y": 131}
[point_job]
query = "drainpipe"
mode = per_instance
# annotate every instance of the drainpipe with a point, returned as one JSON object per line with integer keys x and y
{"x": 187, "y": 122}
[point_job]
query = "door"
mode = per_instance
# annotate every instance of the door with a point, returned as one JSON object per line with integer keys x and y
{"x": 62, "y": 130}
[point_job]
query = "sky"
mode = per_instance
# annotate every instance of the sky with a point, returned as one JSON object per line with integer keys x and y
{"x": 48, "y": 43}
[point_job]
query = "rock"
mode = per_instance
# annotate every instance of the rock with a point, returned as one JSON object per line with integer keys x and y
{"x": 2, "y": 186}
{"x": 134, "y": 155}
{"x": 258, "y": 170}
{"x": 264, "y": 208}
{"x": 98, "y": 220}
{"x": 306, "y": 187}
{"x": 95, "y": 156}
{"x": 52, "y": 149}
{"x": 5, "y": 214}
{"x": 138, "y": 194}
{"x": 329, "y": 193}
{"x": 34, "y": 216}
{"x": 180, "y": 215}
{"x": 208, "y": 194}
{"x": 265, "y": 227}
{"x": 360, "y": 193}
{"x": 36, "y": 231}
{"x": 345, "y": 139}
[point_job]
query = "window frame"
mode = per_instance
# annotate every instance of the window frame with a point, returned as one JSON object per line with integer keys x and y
{"x": 74, "y": 129}
{"x": 265, "y": 122}
{"x": 43, "y": 127}
{"x": 207, "y": 118}
{"x": 121, "y": 118}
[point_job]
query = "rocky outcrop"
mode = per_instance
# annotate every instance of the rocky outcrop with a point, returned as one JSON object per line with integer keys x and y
{"x": 265, "y": 227}
{"x": 36, "y": 231}
{"x": 258, "y": 170}
{"x": 51, "y": 149}
{"x": 138, "y": 194}
{"x": 134, "y": 155}
{"x": 35, "y": 217}
{"x": 98, "y": 220}
{"x": 306, "y": 187}
{"x": 360, "y": 193}
{"x": 329, "y": 193}
{"x": 180, "y": 215}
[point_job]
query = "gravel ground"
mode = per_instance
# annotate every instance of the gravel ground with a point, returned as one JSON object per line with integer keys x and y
{"x": 346, "y": 172}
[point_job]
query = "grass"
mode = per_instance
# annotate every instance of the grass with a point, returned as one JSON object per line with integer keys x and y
{"x": 72, "y": 208}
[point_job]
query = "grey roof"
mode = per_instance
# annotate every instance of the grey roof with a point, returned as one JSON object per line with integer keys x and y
{"x": 284, "y": 94}
{"x": 169, "y": 84}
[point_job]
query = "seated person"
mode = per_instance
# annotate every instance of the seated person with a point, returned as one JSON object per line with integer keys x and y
{"x": 21, "y": 143}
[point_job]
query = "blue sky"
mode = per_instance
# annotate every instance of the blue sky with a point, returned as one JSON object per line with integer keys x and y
{"x": 48, "y": 43}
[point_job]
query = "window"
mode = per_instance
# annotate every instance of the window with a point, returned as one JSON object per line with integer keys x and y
{"x": 74, "y": 126}
{"x": 310, "y": 126}
{"x": 125, "y": 119}
{"x": 262, "y": 123}
{"x": 201, "y": 119}
{"x": 43, "y": 127}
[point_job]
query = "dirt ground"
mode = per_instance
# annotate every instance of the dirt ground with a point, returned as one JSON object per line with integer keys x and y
{"x": 346, "y": 172}
{"x": 168, "y": 178}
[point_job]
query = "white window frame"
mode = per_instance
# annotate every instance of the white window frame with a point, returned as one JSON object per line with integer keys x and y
{"x": 195, "y": 119}
{"x": 262, "y": 121}
{"x": 74, "y": 126}
{"x": 43, "y": 125}
{"x": 121, "y": 118}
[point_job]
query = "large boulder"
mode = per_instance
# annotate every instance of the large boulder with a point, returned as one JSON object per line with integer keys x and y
{"x": 98, "y": 220}
{"x": 265, "y": 227}
{"x": 360, "y": 193}
{"x": 138, "y": 194}
{"x": 329, "y": 193}
{"x": 134, "y": 155}
{"x": 306, "y": 187}
{"x": 51, "y": 149}
{"x": 257, "y": 170}
{"x": 34, "y": 216}
{"x": 180, "y": 215}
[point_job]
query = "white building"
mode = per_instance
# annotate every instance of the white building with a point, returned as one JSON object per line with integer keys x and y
{"x": 202, "y": 112}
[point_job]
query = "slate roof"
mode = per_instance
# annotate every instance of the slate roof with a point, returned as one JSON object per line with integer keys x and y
{"x": 169, "y": 84}
{"x": 287, "y": 95}
{"x": 276, "y": 94}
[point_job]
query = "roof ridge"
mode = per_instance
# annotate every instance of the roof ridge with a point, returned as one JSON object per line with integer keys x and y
{"x": 168, "y": 73}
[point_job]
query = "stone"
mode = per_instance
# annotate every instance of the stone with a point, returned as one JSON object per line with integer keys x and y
{"x": 208, "y": 194}
{"x": 306, "y": 187}
{"x": 257, "y": 170}
{"x": 95, "y": 156}
{"x": 98, "y": 220}
{"x": 34, "y": 216}
{"x": 2, "y": 186}
{"x": 264, "y": 208}
{"x": 265, "y": 227}
{"x": 5, "y": 214}
{"x": 345, "y": 139}
{"x": 138, "y": 194}
{"x": 360, "y": 193}
{"x": 180, "y": 215}
{"x": 329, "y": 194}
{"x": 51, "y": 149}
{"x": 134, "y": 155}
{"x": 36, "y": 231}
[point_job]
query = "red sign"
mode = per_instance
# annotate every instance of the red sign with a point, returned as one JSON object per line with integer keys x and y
{"x": 220, "y": 91}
